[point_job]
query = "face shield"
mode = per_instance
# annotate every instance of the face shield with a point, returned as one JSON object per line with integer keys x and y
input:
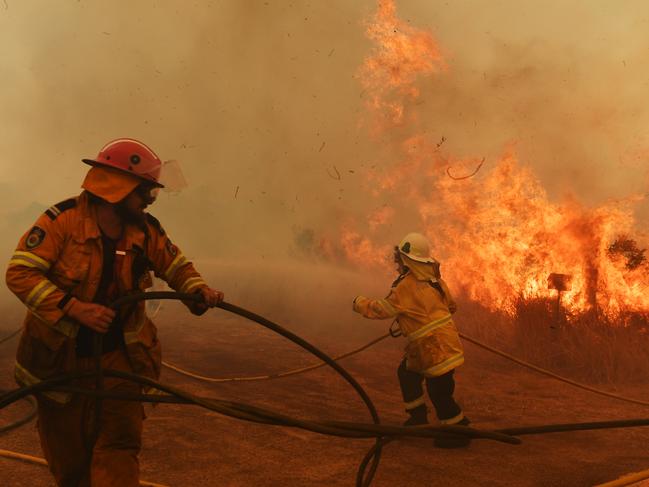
{"x": 171, "y": 175}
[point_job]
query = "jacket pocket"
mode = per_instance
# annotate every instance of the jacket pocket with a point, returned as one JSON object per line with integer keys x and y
{"x": 45, "y": 334}
{"x": 43, "y": 354}
{"x": 71, "y": 270}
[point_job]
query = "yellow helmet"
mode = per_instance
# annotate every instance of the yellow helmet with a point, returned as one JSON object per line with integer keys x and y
{"x": 416, "y": 246}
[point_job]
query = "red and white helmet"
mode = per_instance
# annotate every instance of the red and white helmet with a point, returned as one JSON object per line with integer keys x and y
{"x": 132, "y": 157}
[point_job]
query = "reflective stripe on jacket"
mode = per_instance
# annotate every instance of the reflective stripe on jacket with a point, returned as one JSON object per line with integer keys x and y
{"x": 59, "y": 259}
{"x": 424, "y": 318}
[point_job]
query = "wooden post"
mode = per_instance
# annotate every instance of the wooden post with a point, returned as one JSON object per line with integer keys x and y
{"x": 559, "y": 282}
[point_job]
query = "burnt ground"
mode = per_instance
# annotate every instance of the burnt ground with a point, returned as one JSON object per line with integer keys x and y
{"x": 188, "y": 446}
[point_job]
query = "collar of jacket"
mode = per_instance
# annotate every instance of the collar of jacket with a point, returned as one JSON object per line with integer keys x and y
{"x": 134, "y": 235}
{"x": 420, "y": 270}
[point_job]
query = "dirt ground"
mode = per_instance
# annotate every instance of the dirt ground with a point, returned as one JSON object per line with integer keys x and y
{"x": 188, "y": 446}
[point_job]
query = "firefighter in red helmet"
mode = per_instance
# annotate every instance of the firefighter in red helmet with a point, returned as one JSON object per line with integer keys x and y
{"x": 421, "y": 303}
{"x": 79, "y": 256}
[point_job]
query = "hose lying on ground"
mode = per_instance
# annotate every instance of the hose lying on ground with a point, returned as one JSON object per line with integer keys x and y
{"x": 279, "y": 375}
{"x": 31, "y": 414}
{"x": 552, "y": 374}
{"x": 242, "y": 411}
{"x": 41, "y": 461}
{"x": 281, "y": 331}
{"x": 255, "y": 414}
{"x": 10, "y": 336}
{"x": 382, "y": 433}
{"x": 251, "y": 413}
{"x": 628, "y": 479}
{"x": 484, "y": 346}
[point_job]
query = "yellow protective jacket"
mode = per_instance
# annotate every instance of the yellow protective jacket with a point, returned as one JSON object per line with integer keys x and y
{"x": 424, "y": 318}
{"x": 61, "y": 259}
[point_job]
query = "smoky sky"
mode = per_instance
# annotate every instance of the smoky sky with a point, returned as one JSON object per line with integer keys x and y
{"x": 260, "y": 102}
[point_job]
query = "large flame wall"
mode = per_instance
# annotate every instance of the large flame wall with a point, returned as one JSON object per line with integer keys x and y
{"x": 331, "y": 125}
{"x": 490, "y": 221}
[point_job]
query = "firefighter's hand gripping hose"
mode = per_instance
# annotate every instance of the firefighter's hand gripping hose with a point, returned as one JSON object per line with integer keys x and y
{"x": 381, "y": 432}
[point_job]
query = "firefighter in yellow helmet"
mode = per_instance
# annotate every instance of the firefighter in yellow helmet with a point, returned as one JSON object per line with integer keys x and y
{"x": 422, "y": 305}
{"x": 81, "y": 255}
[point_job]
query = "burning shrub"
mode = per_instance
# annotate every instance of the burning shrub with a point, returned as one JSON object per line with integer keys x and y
{"x": 587, "y": 346}
{"x": 627, "y": 248}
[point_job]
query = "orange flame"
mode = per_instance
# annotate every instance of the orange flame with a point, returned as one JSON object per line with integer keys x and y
{"x": 401, "y": 54}
{"x": 497, "y": 234}
{"x": 380, "y": 217}
{"x": 362, "y": 250}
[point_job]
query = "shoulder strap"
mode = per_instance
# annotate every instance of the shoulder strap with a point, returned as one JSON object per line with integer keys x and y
{"x": 398, "y": 280}
{"x": 54, "y": 211}
{"x": 434, "y": 283}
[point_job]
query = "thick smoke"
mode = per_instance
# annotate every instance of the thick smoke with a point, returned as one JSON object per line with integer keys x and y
{"x": 261, "y": 103}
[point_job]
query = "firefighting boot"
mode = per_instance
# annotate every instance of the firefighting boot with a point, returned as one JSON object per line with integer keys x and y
{"x": 417, "y": 417}
{"x": 448, "y": 440}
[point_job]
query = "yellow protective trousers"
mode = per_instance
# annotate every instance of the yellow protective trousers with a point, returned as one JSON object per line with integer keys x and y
{"x": 65, "y": 431}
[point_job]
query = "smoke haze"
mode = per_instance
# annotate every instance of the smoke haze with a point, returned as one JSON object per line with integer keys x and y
{"x": 261, "y": 104}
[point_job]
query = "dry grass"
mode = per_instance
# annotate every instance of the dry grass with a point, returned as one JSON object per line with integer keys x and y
{"x": 588, "y": 347}
{"x": 316, "y": 298}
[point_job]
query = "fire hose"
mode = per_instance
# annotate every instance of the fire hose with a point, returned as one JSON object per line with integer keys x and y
{"x": 484, "y": 346}
{"x": 288, "y": 373}
{"x": 31, "y": 414}
{"x": 247, "y": 412}
{"x": 10, "y": 336}
{"x": 383, "y": 433}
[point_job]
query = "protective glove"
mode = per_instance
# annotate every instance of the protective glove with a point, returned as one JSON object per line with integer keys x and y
{"x": 211, "y": 298}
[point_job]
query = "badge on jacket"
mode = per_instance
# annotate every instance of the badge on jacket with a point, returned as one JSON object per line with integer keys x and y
{"x": 35, "y": 237}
